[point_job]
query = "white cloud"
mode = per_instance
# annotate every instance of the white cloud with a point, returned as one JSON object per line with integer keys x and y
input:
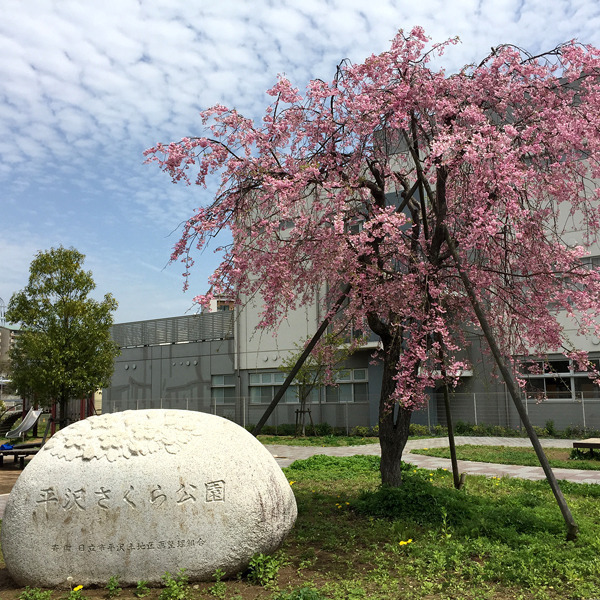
{"x": 85, "y": 87}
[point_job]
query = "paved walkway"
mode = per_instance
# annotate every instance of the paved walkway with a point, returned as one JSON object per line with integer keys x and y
{"x": 286, "y": 455}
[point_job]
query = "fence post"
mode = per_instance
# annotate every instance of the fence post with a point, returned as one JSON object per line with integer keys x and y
{"x": 475, "y": 407}
{"x": 583, "y": 410}
{"x": 244, "y": 412}
{"x": 429, "y": 413}
{"x": 346, "y": 415}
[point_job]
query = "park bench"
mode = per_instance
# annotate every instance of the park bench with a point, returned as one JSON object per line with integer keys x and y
{"x": 18, "y": 454}
{"x": 590, "y": 444}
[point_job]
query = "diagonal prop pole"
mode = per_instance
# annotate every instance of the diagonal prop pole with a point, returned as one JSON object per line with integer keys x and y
{"x": 572, "y": 528}
{"x": 309, "y": 347}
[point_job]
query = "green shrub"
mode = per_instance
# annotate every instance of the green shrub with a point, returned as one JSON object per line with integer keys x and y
{"x": 420, "y": 430}
{"x": 324, "y": 429}
{"x": 575, "y": 431}
{"x": 584, "y": 454}
{"x": 462, "y": 428}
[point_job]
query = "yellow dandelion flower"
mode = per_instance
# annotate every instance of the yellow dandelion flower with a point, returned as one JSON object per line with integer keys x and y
{"x": 79, "y": 587}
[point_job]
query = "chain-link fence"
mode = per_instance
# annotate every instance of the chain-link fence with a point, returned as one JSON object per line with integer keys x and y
{"x": 241, "y": 411}
{"x": 579, "y": 412}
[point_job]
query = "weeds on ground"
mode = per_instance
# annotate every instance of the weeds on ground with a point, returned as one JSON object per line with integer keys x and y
{"x": 76, "y": 594}
{"x": 264, "y": 568}
{"x": 35, "y": 594}
{"x": 219, "y": 588}
{"x": 141, "y": 589}
{"x": 494, "y": 538}
{"x": 176, "y": 587}
{"x": 113, "y": 588}
{"x": 303, "y": 593}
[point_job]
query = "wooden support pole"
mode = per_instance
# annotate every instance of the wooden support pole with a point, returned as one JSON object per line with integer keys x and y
{"x": 513, "y": 389}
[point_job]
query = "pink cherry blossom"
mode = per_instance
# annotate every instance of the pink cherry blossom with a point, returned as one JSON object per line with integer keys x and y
{"x": 360, "y": 180}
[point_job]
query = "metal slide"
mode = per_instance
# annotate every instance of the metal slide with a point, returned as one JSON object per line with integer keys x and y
{"x": 26, "y": 424}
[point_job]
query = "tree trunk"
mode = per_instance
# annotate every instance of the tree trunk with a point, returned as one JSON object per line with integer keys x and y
{"x": 62, "y": 412}
{"x": 394, "y": 421}
{"x": 393, "y": 433}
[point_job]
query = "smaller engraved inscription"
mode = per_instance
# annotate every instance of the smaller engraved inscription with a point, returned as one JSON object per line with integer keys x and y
{"x": 138, "y": 546}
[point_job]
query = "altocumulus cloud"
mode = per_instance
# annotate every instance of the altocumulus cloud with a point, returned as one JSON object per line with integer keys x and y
{"x": 86, "y": 86}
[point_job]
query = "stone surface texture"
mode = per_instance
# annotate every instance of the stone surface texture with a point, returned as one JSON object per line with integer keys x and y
{"x": 139, "y": 493}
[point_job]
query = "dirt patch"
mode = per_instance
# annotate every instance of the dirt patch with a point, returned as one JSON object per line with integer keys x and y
{"x": 9, "y": 473}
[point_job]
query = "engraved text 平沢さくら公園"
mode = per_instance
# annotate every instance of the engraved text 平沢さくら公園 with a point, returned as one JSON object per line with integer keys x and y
{"x": 53, "y": 498}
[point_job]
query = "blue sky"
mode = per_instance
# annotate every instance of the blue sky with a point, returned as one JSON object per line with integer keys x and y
{"x": 87, "y": 86}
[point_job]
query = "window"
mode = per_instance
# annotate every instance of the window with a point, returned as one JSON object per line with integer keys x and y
{"x": 558, "y": 379}
{"x": 223, "y": 389}
{"x": 592, "y": 262}
{"x": 352, "y": 387}
{"x": 264, "y": 386}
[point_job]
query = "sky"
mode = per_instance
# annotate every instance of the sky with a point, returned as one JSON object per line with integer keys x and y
{"x": 87, "y": 86}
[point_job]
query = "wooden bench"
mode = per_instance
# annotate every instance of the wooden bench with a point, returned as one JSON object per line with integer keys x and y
{"x": 590, "y": 444}
{"x": 18, "y": 455}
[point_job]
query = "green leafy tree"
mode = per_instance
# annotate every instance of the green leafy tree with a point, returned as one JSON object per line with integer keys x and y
{"x": 317, "y": 370}
{"x": 65, "y": 350}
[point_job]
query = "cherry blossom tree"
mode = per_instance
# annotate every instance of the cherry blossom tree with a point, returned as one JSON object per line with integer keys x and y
{"x": 438, "y": 198}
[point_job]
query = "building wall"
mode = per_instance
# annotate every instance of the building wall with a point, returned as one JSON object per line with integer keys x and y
{"x": 167, "y": 376}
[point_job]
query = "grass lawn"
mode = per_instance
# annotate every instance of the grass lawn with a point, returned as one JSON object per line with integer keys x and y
{"x": 505, "y": 455}
{"x": 319, "y": 440}
{"x": 497, "y": 539}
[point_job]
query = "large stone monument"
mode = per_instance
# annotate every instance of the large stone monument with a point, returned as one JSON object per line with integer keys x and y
{"x": 139, "y": 493}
